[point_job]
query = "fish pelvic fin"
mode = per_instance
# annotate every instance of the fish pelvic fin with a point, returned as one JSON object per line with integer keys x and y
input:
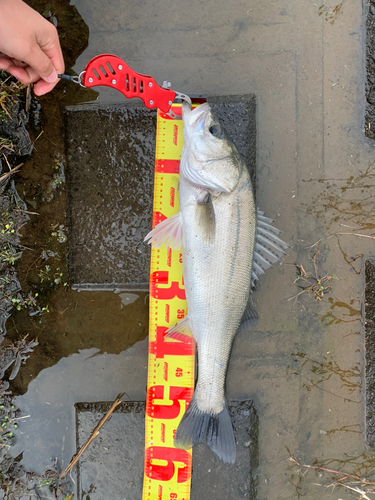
{"x": 198, "y": 426}
{"x": 250, "y": 316}
{"x": 169, "y": 232}
{"x": 181, "y": 331}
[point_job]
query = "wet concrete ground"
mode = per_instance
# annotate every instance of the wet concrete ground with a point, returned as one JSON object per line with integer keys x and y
{"x": 110, "y": 195}
{"x": 304, "y": 364}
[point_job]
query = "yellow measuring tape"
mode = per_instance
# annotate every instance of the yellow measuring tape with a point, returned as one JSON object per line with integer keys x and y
{"x": 171, "y": 363}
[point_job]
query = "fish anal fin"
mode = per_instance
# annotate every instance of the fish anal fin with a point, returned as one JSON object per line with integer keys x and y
{"x": 250, "y": 316}
{"x": 181, "y": 337}
{"x": 169, "y": 232}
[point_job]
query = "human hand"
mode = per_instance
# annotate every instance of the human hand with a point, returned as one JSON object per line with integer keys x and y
{"x": 29, "y": 46}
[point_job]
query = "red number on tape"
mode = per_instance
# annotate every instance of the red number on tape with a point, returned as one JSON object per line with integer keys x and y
{"x": 164, "y": 410}
{"x": 159, "y": 292}
{"x": 160, "y": 347}
{"x": 167, "y": 471}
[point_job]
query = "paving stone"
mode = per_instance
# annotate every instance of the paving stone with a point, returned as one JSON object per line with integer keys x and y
{"x": 237, "y": 115}
{"x": 215, "y": 479}
{"x": 110, "y": 156}
{"x": 370, "y": 71}
{"x": 370, "y": 351}
{"x": 112, "y": 466}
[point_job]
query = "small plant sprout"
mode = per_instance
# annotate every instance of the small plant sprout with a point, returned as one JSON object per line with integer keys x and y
{"x": 44, "y": 273}
{"x": 8, "y": 228}
{"x": 58, "y": 232}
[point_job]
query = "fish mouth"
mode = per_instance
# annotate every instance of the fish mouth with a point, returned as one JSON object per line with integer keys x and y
{"x": 197, "y": 117}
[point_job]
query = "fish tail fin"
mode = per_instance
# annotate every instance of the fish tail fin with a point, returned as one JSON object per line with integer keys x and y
{"x": 198, "y": 426}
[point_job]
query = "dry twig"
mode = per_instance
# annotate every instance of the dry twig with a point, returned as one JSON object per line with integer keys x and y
{"x": 11, "y": 172}
{"x": 361, "y": 235}
{"x": 350, "y": 481}
{"x": 94, "y": 433}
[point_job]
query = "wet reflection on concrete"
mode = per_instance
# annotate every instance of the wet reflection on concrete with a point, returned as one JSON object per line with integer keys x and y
{"x": 108, "y": 321}
{"x": 50, "y": 398}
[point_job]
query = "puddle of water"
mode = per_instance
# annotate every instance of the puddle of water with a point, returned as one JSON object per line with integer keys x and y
{"x": 127, "y": 298}
{"x": 48, "y": 404}
{"x": 108, "y": 321}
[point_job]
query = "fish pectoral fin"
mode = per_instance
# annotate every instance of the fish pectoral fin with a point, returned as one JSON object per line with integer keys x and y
{"x": 169, "y": 232}
{"x": 205, "y": 217}
{"x": 181, "y": 331}
{"x": 250, "y": 316}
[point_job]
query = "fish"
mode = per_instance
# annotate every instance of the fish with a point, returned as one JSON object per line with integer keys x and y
{"x": 227, "y": 243}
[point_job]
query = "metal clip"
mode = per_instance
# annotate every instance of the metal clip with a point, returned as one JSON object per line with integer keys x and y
{"x": 181, "y": 96}
{"x": 184, "y": 97}
{"x": 74, "y": 79}
{"x": 173, "y": 115}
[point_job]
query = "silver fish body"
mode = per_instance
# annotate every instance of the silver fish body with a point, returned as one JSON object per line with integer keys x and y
{"x": 217, "y": 226}
{"x": 217, "y": 277}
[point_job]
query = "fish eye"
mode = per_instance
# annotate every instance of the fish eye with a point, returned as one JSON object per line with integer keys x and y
{"x": 216, "y": 130}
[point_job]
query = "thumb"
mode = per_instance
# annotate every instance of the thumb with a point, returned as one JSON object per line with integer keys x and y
{"x": 41, "y": 63}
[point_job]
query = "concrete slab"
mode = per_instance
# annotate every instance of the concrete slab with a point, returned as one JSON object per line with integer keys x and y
{"x": 238, "y": 117}
{"x": 112, "y": 467}
{"x": 110, "y": 157}
{"x": 370, "y": 351}
{"x": 212, "y": 478}
{"x": 370, "y": 71}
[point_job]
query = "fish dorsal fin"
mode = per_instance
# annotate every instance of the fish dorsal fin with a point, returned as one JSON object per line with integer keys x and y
{"x": 250, "y": 316}
{"x": 181, "y": 331}
{"x": 268, "y": 248}
{"x": 169, "y": 232}
{"x": 205, "y": 217}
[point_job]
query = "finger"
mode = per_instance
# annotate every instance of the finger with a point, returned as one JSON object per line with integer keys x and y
{"x": 19, "y": 73}
{"x": 5, "y": 63}
{"x": 41, "y": 64}
{"x": 42, "y": 87}
{"x": 51, "y": 47}
{"x": 21, "y": 64}
{"x": 24, "y": 75}
{"x": 11, "y": 60}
